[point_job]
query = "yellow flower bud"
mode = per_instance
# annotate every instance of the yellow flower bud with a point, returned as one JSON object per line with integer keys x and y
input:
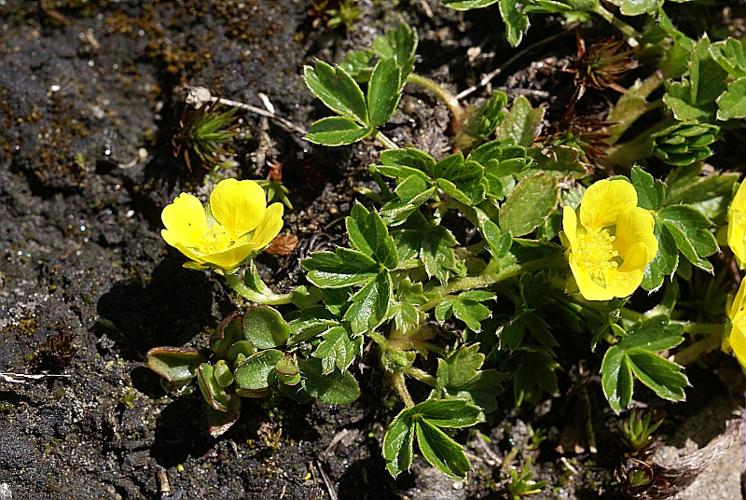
{"x": 612, "y": 243}
{"x": 235, "y": 226}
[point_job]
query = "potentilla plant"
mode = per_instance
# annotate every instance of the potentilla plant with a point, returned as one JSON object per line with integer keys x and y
{"x": 466, "y": 272}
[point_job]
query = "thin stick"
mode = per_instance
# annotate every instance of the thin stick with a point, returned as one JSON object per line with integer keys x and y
{"x": 487, "y": 78}
{"x": 21, "y": 378}
{"x": 200, "y": 95}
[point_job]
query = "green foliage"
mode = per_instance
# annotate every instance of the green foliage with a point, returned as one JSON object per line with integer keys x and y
{"x": 426, "y": 422}
{"x": 635, "y": 356}
{"x": 453, "y": 275}
{"x": 384, "y": 68}
{"x": 638, "y": 428}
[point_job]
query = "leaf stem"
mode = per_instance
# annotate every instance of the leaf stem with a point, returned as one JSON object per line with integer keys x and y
{"x": 632, "y": 105}
{"x": 488, "y": 279}
{"x": 422, "y": 376}
{"x": 704, "y": 328}
{"x": 400, "y": 386}
{"x": 442, "y": 94}
{"x": 385, "y": 141}
{"x": 626, "y": 30}
{"x": 270, "y": 298}
{"x": 692, "y": 353}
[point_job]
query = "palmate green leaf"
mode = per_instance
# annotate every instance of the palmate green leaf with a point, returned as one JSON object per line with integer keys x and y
{"x": 653, "y": 334}
{"x": 384, "y": 91}
{"x": 731, "y": 55}
{"x": 529, "y": 204}
{"x": 265, "y": 327}
{"x": 406, "y": 312}
{"x": 660, "y": 375}
{"x": 484, "y": 121}
{"x": 412, "y": 158}
{"x": 339, "y": 269}
{"x": 637, "y": 7}
{"x": 399, "y": 44}
{"x": 616, "y": 379}
{"x": 460, "y": 367}
{"x": 335, "y": 388}
{"x": 337, "y": 131}
{"x": 441, "y": 451}
{"x": 369, "y": 235}
{"x": 460, "y": 179}
{"x": 433, "y": 245}
{"x": 336, "y": 89}
{"x": 397, "y": 211}
{"x": 398, "y": 443}
{"x": 732, "y": 103}
{"x": 482, "y": 390}
{"x": 437, "y": 448}
{"x": 689, "y": 229}
{"x": 337, "y": 349}
{"x": 468, "y": 4}
{"x": 635, "y": 356}
{"x": 258, "y": 370}
{"x": 307, "y": 323}
{"x": 650, "y": 191}
{"x": 369, "y": 307}
{"x": 466, "y": 307}
{"x": 522, "y": 122}
{"x": 665, "y": 262}
{"x": 694, "y": 97}
{"x": 359, "y": 64}
{"x": 515, "y": 19}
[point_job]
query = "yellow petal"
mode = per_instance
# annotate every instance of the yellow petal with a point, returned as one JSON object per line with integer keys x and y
{"x": 634, "y": 226}
{"x": 624, "y": 280}
{"x": 737, "y": 339}
{"x": 269, "y": 227}
{"x": 174, "y": 242}
{"x": 570, "y": 224}
{"x": 185, "y": 220}
{"x": 738, "y": 301}
{"x": 589, "y": 289}
{"x": 238, "y": 205}
{"x": 604, "y": 201}
{"x": 231, "y": 258}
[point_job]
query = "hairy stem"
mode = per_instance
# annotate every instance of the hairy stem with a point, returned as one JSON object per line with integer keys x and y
{"x": 626, "y": 30}
{"x": 268, "y": 298}
{"x": 717, "y": 329}
{"x": 400, "y": 386}
{"x": 488, "y": 279}
{"x": 442, "y": 94}
{"x": 693, "y": 352}
{"x": 385, "y": 141}
{"x": 422, "y": 376}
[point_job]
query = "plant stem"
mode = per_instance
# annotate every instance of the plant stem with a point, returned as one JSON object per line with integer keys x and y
{"x": 626, "y": 30}
{"x": 632, "y": 105}
{"x": 400, "y": 386}
{"x": 442, "y": 94}
{"x": 271, "y": 299}
{"x": 385, "y": 141}
{"x": 693, "y": 352}
{"x": 485, "y": 280}
{"x": 704, "y": 328}
{"x": 422, "y": 376}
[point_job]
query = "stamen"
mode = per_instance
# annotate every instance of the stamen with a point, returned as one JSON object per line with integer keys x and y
{"x": 594, "y": 251}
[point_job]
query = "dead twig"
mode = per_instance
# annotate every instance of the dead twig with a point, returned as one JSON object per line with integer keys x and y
{"x": 22, "y": 378}
{"x": 198, "y": 96}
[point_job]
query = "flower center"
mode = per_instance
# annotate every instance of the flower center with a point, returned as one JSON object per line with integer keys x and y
{"x": 216, "y": 238}
{"x": 595, "y": 252}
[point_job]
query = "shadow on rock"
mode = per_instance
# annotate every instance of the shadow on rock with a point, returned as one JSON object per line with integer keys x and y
{"x": 180, "y": 432}
{"x": 170, "y": 309}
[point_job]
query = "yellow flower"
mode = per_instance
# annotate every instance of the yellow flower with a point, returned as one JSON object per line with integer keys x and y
{"x": 736, "y": 341}
{"x": 737, "y": 225}
{"x": 613, "y": 242}
{"x": 237, "y": 225}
